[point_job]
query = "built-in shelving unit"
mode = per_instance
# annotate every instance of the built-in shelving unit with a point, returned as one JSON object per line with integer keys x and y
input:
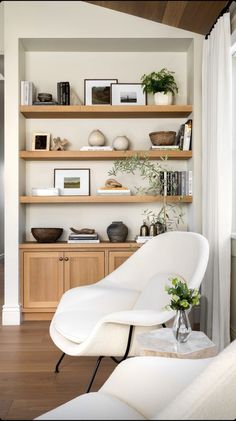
{"x": 106, "y": 111}
{"x": 103, "y": 155}
{"x": 104, "y": 199}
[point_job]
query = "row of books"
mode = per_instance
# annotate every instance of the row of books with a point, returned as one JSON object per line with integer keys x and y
{"x": 83, "y": 238}
{"x": 63, "y": 93}
{"x": 176, "y": 183}
{"x": 28, "y": 92}
{"x": 184, "y": 136}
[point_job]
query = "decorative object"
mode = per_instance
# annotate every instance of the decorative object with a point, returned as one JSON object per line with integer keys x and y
{"x": 162, "y": 84}
{"x": 83, "y": 230}
{"x": 111, "y": 182}
{"x": 153, "y": 228}
{"x": 59, "y": 144}
{"x": 144, "y": 231}
{"x": 44, "y": 97}
{"x": 98, "y": 91}
{"x": 41, "y": 142}
{"x": 170, "y": 215}
{"x": 128, "y": 94}
{"x": 162, "y": 138}
{"x": 182, "y": 298}
{"x": 46, "y": 235}
{"x": 117, "y": 232}
{"x": 72, "y": 181}
{"x": 96, "y": 138}
{"x": 46, "y": 191}
{"x": 120, "y": 143}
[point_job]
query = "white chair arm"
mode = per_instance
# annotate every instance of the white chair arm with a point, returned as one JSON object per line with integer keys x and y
{"x": 139, "y": 317}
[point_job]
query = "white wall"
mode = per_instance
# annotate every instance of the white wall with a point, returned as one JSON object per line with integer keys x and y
{"x": 1, "y": 29}
{"x": 1, "y": 158}
{"x": 22, "y": 20}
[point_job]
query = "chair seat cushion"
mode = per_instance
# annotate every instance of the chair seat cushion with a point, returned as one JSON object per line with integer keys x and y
{"x": 76, "y": 325}
{"x": 93, "y": 406}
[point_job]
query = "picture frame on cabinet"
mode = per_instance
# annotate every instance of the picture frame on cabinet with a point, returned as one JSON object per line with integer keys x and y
{"x": 128, "y": 94}
{"x": 72, "y": 181}
{"x": 41, "y": 141}
{"x": 98, "y": 91}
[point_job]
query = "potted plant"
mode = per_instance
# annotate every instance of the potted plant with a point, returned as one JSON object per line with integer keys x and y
{"x": 182, "y": 299}
{"x": 162, "y": 84}
{"x": 170, "y": 215}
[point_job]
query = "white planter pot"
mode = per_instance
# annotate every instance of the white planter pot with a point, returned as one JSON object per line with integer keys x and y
{"x": 160, "y": 98}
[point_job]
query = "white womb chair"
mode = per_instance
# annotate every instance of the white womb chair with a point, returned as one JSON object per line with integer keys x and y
{"x": 103, "y": 319}
{"x": 157, "y": 388}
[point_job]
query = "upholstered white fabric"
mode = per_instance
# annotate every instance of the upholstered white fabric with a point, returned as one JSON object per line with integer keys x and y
{"x": 94, "y": 320}
{"x": 158, "y": 388}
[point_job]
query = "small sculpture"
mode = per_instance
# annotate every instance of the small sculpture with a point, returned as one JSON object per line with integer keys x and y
{"x": 112, "y": 183}
{"x": 96, "y": 138}
{"x": 83, "y": 230}
{"x": 121, "y": 143}
{"x": 59, "y": 144}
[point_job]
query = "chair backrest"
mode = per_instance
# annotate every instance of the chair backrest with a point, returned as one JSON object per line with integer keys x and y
{"x": 211, "y": 396}
{"x": 176, "y": 252}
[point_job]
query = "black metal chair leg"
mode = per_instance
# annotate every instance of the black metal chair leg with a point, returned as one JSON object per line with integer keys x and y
{"x": 59, "y": 362}
{"x": 94, "y": 373}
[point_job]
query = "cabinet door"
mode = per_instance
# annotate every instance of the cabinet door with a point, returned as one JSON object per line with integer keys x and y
{"x": 83, "y": 268}
{"x": 116, "y": 258}
{"x": 43, "y": 279}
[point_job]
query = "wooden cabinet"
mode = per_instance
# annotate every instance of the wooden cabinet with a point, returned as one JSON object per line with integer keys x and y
{"x": 48, "y": 270}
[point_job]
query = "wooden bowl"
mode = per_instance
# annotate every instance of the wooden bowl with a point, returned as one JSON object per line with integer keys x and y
{"x": 46, "y": 235}
{"x": 162, "y": 138}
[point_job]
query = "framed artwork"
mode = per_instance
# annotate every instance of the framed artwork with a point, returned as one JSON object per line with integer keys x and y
{"x": 128, "y": 94}
{"x": 72, "y": 181}
{"x": 98, "y": 91}
{"x": 41, "y": 142}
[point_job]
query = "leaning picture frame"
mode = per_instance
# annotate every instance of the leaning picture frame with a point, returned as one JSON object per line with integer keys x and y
{"x": 72, "y": 181}
{"x": 128, "y": 94}
{"x": 41, "y": 141}
{"x": 98, "y": 91}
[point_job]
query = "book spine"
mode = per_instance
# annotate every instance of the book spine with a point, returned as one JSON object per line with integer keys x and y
{"x": 190, "y": 183}
{"x": 67, "y": 94}
{"x": 63, "y": 93}
{"x": 183, "y": 185}
{"x": 59, "y": 93}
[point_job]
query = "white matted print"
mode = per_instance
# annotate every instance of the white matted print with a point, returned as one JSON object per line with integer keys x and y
{"x": 128, "y": 94}
{"x": 98, "y": 91}
{"x": 41, "y": 142}
{"x": 72, "y": 181}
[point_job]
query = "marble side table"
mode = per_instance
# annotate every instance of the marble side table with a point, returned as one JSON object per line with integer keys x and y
{"x": 162, "y": 343}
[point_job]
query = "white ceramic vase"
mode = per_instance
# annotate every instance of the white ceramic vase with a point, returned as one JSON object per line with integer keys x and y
{"x": 121, "y": 143}
{"x": 160, "y": 98}
{"x": 96, "y": 138}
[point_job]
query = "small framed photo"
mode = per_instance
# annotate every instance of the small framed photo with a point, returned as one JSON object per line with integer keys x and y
{"x": 72, "y": 181}
{"x": 41, "y": 142}
{"x": 128, "y": 94}
{"x": 98, "y": 91}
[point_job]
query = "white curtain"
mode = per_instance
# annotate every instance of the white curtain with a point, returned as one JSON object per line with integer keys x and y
{"x": 217, "y": 180}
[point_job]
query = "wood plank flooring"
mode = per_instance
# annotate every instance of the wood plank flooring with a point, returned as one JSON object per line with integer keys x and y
{"x": 28, "y": 384}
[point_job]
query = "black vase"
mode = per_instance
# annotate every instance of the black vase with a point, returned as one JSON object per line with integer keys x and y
{"x": 117, "y": 232}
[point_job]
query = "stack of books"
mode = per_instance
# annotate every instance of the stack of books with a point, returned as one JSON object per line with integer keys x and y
{"x": 27, "y": 92}
{"x": 114, "y": 191}
{"x": 63, "y": 93}
{"x": 96, "y": 148}
{"x": 165, "y": 147}
{"x": 143, "y": 238}
{"x": 83, "y": 238}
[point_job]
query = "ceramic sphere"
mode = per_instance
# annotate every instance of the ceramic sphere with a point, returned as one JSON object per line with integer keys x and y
{"x": 96, "y": 138}
{"x": 121, "y": 143}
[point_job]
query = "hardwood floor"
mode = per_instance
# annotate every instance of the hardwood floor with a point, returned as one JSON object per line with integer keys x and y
{"x": 28, "y": 384}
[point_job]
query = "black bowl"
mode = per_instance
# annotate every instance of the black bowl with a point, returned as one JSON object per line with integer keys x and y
{"x": 44, "y": 97}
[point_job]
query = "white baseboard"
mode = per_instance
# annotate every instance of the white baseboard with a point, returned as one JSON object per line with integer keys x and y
{"x": 11, "y": 316}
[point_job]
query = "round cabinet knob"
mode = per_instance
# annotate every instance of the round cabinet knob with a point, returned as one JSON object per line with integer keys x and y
{"x": 60, "y": 258}
{"x": 66, "y": 259}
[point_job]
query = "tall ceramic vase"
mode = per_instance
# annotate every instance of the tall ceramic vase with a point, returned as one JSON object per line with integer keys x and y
{"x": 181, "y": 326}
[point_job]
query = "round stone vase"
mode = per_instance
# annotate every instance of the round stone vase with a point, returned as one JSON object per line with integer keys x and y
{"x": 117, "y": 232}
{"x": 181, "y": 326}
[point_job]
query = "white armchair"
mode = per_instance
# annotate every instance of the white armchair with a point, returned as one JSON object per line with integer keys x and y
{"x": 103, "y": 319}
{"x": 157, "y": 388}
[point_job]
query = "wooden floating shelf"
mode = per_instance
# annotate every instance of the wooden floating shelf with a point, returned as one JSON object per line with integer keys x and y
{"x": 103, "y": 155}
{"x": 105, "y": 111}
{"x": 103, "y": 199}
{"x": 64, "y": 245}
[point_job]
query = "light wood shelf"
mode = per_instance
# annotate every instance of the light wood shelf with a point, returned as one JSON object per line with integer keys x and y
{"x": 28, "y": 245}
{"x": 103, "y": 199}
{"x": 105, "y": 111}
{"x": 103, "y": 155}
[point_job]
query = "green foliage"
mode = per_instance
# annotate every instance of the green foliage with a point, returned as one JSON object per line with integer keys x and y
{"x": 174, "y": 215}
{"x": 182, "y": 297}
{"x": 162, "y": 81}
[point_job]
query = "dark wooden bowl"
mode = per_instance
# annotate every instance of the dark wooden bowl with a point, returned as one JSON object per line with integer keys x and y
{"x": 46, "y": 235}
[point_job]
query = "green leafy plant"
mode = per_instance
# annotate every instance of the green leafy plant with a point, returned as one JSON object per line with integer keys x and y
{"x": 182, "y": 297}
{"x": 169, "y": 215}
{"x": 162, "y": 81}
